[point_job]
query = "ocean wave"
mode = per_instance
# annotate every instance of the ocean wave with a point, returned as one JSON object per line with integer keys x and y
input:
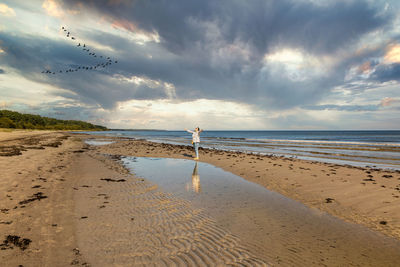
{"x": 324, "y": 142}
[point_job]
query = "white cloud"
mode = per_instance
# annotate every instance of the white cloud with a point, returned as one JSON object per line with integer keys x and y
{"x": 298, "y": 65}
{"x": 389, "y": 101}
{"x": 17, "y": 89}
{"x": 53, "y": 8}
{"x": 392, "y": 54}
{"x": 6, "y": 10}
{"x": 166, "y": 114}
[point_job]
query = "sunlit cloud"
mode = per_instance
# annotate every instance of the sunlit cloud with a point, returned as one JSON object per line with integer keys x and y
{"x": 138, "y": 81}
{"x": 365, "y": 67}
{"x": 165, "y": 114}
{"x": 125, "y": 24}
{"x": 6, "y": 10}
{"x": 392, "y": 54}
{"x": 5, "y": 104}
{"x": 53, "y": 8}
{"x": 298, "y": 65}
{"x": 138, "y": 34}
{"x": 389, "y": 101}
{"x": 286, "y": 56}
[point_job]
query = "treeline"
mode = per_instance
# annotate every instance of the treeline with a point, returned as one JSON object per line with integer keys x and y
{"x": 16, "y": 120}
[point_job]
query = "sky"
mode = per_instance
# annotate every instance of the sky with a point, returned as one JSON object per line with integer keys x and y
{"x": 220, "y": 65}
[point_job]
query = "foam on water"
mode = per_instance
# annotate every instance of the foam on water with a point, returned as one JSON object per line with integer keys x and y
{"x": 98, "y": 142}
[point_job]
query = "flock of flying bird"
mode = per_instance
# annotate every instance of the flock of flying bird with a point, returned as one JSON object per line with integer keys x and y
{"x": 104, "y": 61}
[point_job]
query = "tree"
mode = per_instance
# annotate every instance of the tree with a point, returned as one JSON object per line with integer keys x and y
{"x": 12, "y": 119}
{"x": 6, "y": 123}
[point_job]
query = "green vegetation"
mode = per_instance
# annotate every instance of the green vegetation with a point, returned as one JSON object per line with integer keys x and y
{"x": 16, "y": 120}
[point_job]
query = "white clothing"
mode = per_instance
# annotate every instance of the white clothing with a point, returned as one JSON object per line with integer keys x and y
{"x": 195, "y": 136}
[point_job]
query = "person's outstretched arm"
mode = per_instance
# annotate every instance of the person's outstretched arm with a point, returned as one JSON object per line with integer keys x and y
{"x": 189, "y": 131}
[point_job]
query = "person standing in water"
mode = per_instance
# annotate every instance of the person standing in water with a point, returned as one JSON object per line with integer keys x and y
{"x": 195, "y": 140}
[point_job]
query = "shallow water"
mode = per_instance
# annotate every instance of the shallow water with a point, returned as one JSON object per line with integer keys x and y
{"x": 283, "y": 230}
{"x": 98, "y": 142}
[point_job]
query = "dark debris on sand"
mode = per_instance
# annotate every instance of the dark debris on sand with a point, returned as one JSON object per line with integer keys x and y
{"x": 53, "y": 144}
{"x": 12, "y": 241}
{"x": 113, "y": 180}
{"x": 36, "y": 196}
{"x": 30, "y": 143}
{"x": 8, "y": 151}
{"x": 329, "y": 200}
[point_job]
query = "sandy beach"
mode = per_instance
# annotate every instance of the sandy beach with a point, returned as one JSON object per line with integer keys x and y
{"x": 69, "y": 203}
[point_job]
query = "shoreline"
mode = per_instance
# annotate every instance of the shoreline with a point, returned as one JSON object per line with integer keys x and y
{"x": 77, "y": 204}
{"x": 360, "y": 152}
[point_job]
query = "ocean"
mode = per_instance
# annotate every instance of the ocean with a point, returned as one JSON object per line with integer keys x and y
{"x": 379, "y": 149}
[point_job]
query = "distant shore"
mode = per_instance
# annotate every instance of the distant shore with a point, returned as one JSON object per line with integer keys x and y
{"x": 68, "y": 202}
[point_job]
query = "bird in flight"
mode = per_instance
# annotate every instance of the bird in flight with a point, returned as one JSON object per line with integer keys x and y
{"x": 92, "y": 54}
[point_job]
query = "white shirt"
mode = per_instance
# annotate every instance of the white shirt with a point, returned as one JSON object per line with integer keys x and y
{"x": 195, "y": 136}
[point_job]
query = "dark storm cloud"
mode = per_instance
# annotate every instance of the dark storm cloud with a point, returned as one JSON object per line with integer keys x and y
{"x": 263, "y": 23}
{"x": 193, "y": 34}
{"x": 185, "y": 31}
{"x": 385, "y": 73}
{"x": 320, "y": 29}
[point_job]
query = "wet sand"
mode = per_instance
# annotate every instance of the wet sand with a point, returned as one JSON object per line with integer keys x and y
{"x": 70, "y": 203}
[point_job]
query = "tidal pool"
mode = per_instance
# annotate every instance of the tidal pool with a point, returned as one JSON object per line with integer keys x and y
{"x": 98, "y": 142}
{"x": 283, "y": 230}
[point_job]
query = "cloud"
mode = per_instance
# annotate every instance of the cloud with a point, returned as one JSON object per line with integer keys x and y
{"x": 53, "y": 8}
{"x": 354, "y": 108}
{"x": 365, "y": 67}
{"x": 392, "y": 54}
{"x": 5, "y": 105}
{"x": 6, "y": 10}
{"x": 30, "y": 56}
{"x": 272, "y": 55}
{"x": 264, "y": 24}
{"x": 386, "y": 72}
{"x": 389, "y": 101}
{"x": 217, "y": 49}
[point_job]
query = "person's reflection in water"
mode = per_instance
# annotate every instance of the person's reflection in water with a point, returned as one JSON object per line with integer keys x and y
{"x": 196, "y": 180}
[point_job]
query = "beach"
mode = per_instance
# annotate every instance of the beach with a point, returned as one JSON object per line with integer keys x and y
{"x": 68, "y": 202}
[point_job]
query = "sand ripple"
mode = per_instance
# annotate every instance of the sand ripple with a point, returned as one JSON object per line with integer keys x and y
{"x": 134, "y": 223}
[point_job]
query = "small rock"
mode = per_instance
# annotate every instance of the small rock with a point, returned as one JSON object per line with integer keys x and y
{"x": 329, "y": 200}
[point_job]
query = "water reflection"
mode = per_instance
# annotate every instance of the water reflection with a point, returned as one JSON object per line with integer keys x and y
{"x": 196, "y": 187}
